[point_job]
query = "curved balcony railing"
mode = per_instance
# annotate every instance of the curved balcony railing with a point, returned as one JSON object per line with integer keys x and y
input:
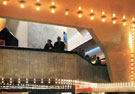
{"x": 32, "y": 63}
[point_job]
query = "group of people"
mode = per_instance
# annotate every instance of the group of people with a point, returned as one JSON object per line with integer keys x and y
{"x": 97, "y": 61}
{"x": 58, "y": 45}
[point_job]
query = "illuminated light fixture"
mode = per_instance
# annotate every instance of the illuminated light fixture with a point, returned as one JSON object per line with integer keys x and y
{"x": 133, "y": 29}
{"x": 132, "y": 54}
{"x": 124, "y": 21}
{"x": 56, "y": 81}
{"x": 53, "y": 8}
{"x": 59, "y": 81}
{"x": 2, "y": 80}
{"x": 133, "y": 23}
{"x": 34, "y": 80}
{"x": 80, "y": 12}
{"x": 22, "y": 3}
{"x": 66, "y": 11}
{"x": 132, "y": 72}
{"x": 92, "y": 14}
{"x": 27, "y": 81}
{"x": 49, "y": 81}
{"x": 132, "y": 59}
{"x": 103, "y": 17}
{"x": 131, "y": 45}
{"x": 42, "y": 80}
{"x": 114, "y": 19}
{"x": 38, "y": 5}
{"x": 10, "y": 80}
{"x": 5, "y": 2}
{"x": 132, "y": 83}
{"x": 132, "y": 49}
{"x": 38, "y": 0}
{"x": 132, "y": 64}
{"x": 132, "y": 78}
{"x": 132, "y": 68}
{"x": 19, "y": 81}
{"x": 132, "y": 75}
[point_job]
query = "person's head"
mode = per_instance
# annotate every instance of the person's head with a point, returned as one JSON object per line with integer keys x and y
{"x": 49, "y": 41}
{"x": 59, "y": 39}
{"x": 98, "y": 58}
{"x": 87, "y": 55}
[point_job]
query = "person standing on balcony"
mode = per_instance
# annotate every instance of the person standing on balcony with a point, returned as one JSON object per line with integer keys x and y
{"x": 98, "y": 61}
{"x": 59, "y": 45}
{"x": 48, "y": 45}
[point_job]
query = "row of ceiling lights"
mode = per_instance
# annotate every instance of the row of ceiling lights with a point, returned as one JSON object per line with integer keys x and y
{"x": 80, "y": 12}
{"x": 5, "y": 81}
{"x": 132, "y": 45}
{"x": 26, "y": 80}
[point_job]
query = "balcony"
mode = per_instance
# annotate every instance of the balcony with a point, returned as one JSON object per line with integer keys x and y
{"x": 37, "y": 63}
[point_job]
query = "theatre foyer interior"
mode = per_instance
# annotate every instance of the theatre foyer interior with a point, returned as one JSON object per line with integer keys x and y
{"x": 67, "y": 46}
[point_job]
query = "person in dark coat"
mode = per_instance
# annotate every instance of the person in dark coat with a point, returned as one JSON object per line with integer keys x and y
{"x": 98, "y": 61}
{"x": 59, "y": 45}
{"x": 48, "y": 45}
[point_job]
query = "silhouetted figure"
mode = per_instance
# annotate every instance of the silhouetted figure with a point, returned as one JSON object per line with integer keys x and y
{"x": 9, "y": 39}
{"x": 87, "y": 58}
{"x": 98, "y": 61}
{"x": 59, "y": 45}
{"x": 48, "y": 45}
{"x": 81, "y": 52}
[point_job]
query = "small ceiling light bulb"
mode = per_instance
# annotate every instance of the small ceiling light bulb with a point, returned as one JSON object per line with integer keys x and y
{"x": 38, "y": 6}
{"x": 132, "y": 72}
{"x": 53, "y": 3}
{"x": 79, "y": 8}
{"x": 38, "y": 0}
{"x": 49, "y": 81}
{"x": 103, "y": 17}
{"x": 22, "y": 5}
{"x": 52, "y": 11}
{"x": 114, "y": 22}
{"x": 132, "y": 64}
{"x": 80, "y": 15}
{"x": 91, "y": 10}
{"x": 53, "y": 8}
{"x": 124, "y": 17}
{"x": 124, "y": 21}
{"x": 114, "y": 19}
{"x": 133, "y": 30}
{"x": 132, "y": 59}
{"x": 132, "y": 68}
{"x": 133, "y": 23}
{"x": 80, "y": 12}
{"x": 92, "y": 14}
{"x": 22, "y": 2}
{"x": 67, "y": 12}
{"x": 132, "y": 78}
{"x": 114, "y": 15}
{"x": 133, "y": 19}
{"x": 5, "y": 2}
{"x": 103, "y": 13}
{"x": 92, "y": 17}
